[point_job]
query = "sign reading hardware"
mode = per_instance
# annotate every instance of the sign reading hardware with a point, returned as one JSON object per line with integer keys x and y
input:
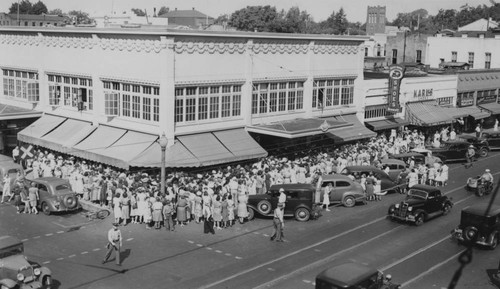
{"x": 396, "y": 73}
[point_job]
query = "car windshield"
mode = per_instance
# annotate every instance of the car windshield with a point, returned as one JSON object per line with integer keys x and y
{"x": 11, "y": 251}
{"x": 417, "y": 194}
{"x": 63, "y": 187}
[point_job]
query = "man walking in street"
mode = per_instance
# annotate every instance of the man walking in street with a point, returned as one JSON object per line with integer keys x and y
{"x": 114, "y": 244}
{"x": 278, "y": 223}
{"x": 469, "y": 155}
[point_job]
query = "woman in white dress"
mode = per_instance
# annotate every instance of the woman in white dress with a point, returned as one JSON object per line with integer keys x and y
{"x": 117, "y": 209}
{"x": 326, "y": 196}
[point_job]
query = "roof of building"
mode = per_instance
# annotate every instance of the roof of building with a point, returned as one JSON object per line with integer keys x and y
{"x": 479, "y": 25}
{"x": 42, "y": 17}
{"x": 185, "y": 14}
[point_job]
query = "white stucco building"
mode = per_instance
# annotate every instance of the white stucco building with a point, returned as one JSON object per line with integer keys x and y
{"x": 107, "y": 94}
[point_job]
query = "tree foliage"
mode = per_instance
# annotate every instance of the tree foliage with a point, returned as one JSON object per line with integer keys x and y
{"x": 80, "y": 17}
{"x": 39, "y": 8}
{"x": 138, "y": 12}
{"x": 25, "y": 7}
{"x": 254, "y": 18}
{"x": 163, "y": 10}
{"x": 56, "y": 11}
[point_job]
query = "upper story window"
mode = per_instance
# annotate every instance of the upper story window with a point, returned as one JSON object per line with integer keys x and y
{"x": 21, "y": 84}
{"x": 333, "y": 92}
{"x": 277, "y": 97}
{"x": 70, "y": 91}
{"x": 471, "y": 60}
{"x": 453, "y": 56}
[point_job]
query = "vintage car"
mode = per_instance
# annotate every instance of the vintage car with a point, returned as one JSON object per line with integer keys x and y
{"x": 388, "y": 184}
{"x": 55, "y": 195}
{"x": 455, "y": 150}
{"x": 477, "y": 227}
{"x": 344, "y": 190}
{"x": 15, "y": 269}
{"x": 417, "y": 156}
{"x": 396, "y": 167}
{"x": 480, "y": 143}
{"x": 353, "y": 276}
{"x": 421, "y": 203}
{"x": 8, "y": 166}
{"x": 493, "y": 138}
{"x": 299, "y": 201}
{"x": 478, "y": 186}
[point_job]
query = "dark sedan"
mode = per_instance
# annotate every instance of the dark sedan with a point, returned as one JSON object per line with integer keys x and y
{"x": 493, "y": 138}
{"x": 388, "y": 184}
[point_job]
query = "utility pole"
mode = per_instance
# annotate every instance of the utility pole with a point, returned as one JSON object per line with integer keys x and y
{"x": 18, "y": 21}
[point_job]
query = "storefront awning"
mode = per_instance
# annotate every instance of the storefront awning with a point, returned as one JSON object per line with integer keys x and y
{"x": 203, "y": 149}
{"x": 300, "y": 127}
{"x": 355, "y": 131}
{"x": 474, "y": 111}
{"x": 386, "y": 123}
{"x": 70, "y": 132}
{"x": 33, "y": 133}
{"x": 427, "y": 114}
{"x": 113, "y": 146}
{"x": 492, "y": 107}
{"x": 8, "y": 112}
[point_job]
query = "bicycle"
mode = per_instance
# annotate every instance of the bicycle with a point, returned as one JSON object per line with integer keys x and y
{"x": 93, "y": 215}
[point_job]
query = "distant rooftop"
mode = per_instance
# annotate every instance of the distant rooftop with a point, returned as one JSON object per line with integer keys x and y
{"x": 185, "y": 14}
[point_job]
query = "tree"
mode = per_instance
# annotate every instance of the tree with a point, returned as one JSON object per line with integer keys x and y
{"x": 80, "y": 17}
{"x": 253, "y": 18}
{"x": 56, "y": 11}
{"x": 138, "y": 12}
{"x": 24, "y": 7}
{"x": 39, "y": 8}
{"x": 446, "y": 19}
{"x": 340, "y": 22}
{"x": 163, "y": 10}
{"x": 222, "y": 19}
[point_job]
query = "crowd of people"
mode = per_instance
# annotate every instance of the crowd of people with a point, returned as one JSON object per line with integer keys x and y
{"x": 220, "y": 195}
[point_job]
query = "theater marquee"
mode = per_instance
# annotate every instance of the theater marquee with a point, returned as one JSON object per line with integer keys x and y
{"x": 396, "y": 73}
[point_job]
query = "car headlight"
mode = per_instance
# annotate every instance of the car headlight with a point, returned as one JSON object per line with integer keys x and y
{"x": 410, "y": 209}
{"x": 20, "y": 277}
{"x": 396, "y": 206}
{"x": 37, "y": 271}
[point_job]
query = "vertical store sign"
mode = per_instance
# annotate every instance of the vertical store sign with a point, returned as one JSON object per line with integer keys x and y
{"x": 396, "y": 73}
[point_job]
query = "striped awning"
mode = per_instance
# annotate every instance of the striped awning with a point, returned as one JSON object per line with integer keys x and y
{"x": 428, "y": 114}
{"x": 492, "y": 107}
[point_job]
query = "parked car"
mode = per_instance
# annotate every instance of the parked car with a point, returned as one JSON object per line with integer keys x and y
{"x": 493, "y": 138}
{"x": 8, "y": 166}
{"x": 477, "y": 227}
{"x": 396, "y": 166}
{"x": 421, "y": 203}
{"x": 299, "y": 201}
{"x": 353, "y": 276}
{"x": 55, "y": 195}
{"x": 388, "y": 184}
{"x": 455, "y": 150}
{"x": 480, "y": 143}
{"x": 15, "y": 269}
{"x": 344, "y": 190}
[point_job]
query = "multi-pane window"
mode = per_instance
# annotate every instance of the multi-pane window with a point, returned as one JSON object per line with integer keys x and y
{"x": 453, "y": 56}
{"x": 277, "y": 97}
{"x": 204, "y": 103}
{"x": 21, "y": 84}
{"x": 394, "y": 56}
{"x": 419, "y": 56}
{"x": 70, "y": 91}
{"x": 487, "y": 61}
{"x": 135, "y": 101}
{"x": 111, "y": 103}
{"x": 333, "y": 92}
{"x": 471, "y": 60}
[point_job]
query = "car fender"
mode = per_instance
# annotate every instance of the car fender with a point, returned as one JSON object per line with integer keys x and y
{"x": 45, "y": 271}
{"x": 9, "y": 283}
{"x": 492, "y": 235}
{"x": 302, "y": 206}
{"x": 254, "y": 208}
{"x": 420, "y": 211}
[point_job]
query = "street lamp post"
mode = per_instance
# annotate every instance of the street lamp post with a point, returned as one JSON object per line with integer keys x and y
{"x": 163, "y": 141}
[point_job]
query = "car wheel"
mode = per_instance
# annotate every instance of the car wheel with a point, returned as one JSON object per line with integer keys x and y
{"x": 302, "y": 215}
{"x": 470, "y": 234}
{"x": 264, "y": 207}
{"x": 47, "y": 282}
{"x": 446, "y": 209}
{"x": 349, "y": 201}
{"x": 483, "y": 153}
{"x": 46, "y": 208}
{"x": 251, "y": 213}
{"x": 494, "y": 242}
{"x": 419, "y": 219}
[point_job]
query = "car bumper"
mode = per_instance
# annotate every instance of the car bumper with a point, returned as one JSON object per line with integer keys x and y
{"x": 407, "y": 218}
{"x": 31, "y": 285}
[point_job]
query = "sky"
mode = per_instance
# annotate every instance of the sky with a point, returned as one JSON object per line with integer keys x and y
{"x": 318, "y": 9}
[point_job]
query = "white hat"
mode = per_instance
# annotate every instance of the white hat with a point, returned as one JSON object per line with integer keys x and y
{"x": 487, "y": 170}
{"x": 282, "y": 190}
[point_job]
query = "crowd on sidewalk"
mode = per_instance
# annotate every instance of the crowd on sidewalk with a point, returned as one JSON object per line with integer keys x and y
{"x": 220, "y": 194}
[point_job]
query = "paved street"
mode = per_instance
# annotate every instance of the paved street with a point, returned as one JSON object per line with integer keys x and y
{"x": 243, "y": 256}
